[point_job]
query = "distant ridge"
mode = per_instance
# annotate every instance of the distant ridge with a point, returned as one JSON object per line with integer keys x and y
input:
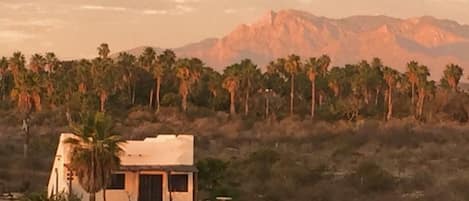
{"x": 433, "y": 42}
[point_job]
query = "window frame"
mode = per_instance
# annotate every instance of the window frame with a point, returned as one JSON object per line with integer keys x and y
{"x": 183, "y": 189}
{"x": 120, "y": 186}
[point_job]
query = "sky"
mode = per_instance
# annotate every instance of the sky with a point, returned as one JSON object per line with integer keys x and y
{"x": 74, "y": 28}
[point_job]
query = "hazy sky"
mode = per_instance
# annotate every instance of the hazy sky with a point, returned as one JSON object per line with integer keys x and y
{"x": 74, "y": 28}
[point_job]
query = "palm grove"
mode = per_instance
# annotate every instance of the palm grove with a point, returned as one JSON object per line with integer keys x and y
{"x": 305, "y": 87}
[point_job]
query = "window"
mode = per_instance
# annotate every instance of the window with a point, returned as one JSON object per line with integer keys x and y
{"x": 179, "y": 182}
{"x": 117, "y": 182}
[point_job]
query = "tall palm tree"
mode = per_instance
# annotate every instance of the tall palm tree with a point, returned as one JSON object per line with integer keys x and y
{"x": 412, "y": 75}
{"x": 157, "y": 70}
{"x": 37, "y": 63}
{"x": 103, "y": 51}
{"x": 292, "y": 67}
{"x": 95, "y": 153}
{"x": 214, "y": 84}
{"x": 16, "y": 63}
{"x": 104, "y": 77}
{"x": 390, "y": 76}
{"x": 324, "y": 62}
{"x": 230, "y": 83}
{"x": 127, "y": 63}
{"x": 184, "y": 76}
{"x": 51, "y": 62}
{"x": 312, "y": 71}
{"x": 83, "y": 73}
{"x": 147, "y": 60}
{"x": 248, "y": 76}
{"x": 452, "y": 75}
{"x": 422, "y": 74}
{"x": 3, "y": 77}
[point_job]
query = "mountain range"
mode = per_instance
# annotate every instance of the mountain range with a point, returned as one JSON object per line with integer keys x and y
{"x": 431, "y": 41}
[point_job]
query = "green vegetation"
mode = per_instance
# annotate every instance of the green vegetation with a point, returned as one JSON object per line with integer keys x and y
{"x": 95, "y": 153}
{"x": 366, "y": 90}
{"x": 301, "y": 130}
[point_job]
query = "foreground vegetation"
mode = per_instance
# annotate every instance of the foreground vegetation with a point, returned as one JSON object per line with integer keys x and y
{"x": 301, "y": 130}
{"x": 365, "y": 160}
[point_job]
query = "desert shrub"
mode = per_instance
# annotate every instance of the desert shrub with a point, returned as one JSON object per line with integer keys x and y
{"x": 312, "y": 176}
{"x": 369, "y": 177}
{"x": 171, "y": 100}
{"x": 349, "y": 143}
{"x": 195, "y": 112}
{"x": 459, "y": 187}
{"x": 420, "y": 181}
{"x": 212, "y": 173}
{"x": 42, "y": 196}
{"x": 261, "y": 163}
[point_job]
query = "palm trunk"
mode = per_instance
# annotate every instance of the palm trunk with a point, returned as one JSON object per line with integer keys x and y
{"x": 421, "y": 100}
{"x": 389, "y": 115}
{"x": 93, "y": 176}
{"x": 377, "y": 97}
{"x": 133, "y": 94}
{"x": 412, "y": 98}
{"x": 26, "y": 145}
{"x": 158, "y": 86}
{"x": 104, "y": 181}
{"x": 292, "y": 93}
{"x": 184, "y": 102}
{"x": 320, "y": 99}
{"x": 366, "y": 96}
{"x": 150, "y": 104}
{"x": 129, "y": 90}
{"x": 102, "y": 100}
{"x": 92, "y": 197}
{"x": 232, "y": 103}
{"x": 313, "y": 98}
{"x": 37, "y": 101}
{"x": 246, "y": 104}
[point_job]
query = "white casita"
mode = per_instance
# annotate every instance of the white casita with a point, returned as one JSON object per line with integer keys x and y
{"x": 154, "y": 169}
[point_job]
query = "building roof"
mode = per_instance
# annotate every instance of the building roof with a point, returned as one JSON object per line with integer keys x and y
{"x": 160, "y": 151}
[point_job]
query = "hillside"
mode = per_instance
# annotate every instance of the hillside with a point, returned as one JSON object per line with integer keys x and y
{"x": 431, "y": 41}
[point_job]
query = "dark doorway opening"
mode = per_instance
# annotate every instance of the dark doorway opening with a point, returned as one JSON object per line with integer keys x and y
{"x": 150, "y": 188}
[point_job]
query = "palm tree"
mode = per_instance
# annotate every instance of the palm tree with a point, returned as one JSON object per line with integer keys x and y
{"x": 104, "y": 77}
{"x": 452, "y": 75}
{"x": 390, "y": 76}
{"x": 51, "y": 62}
{"x": 3, "y": 77}
{"x": 312, "y": 71}
{"x": 16, "y": 63}
{"x": 127, "y": 63}
{"x": 292, "y": 67}
{"x": 214, "y": 84}
{"x": 103, "y": 51}
{"x": 147, "y": 60}
{"x": 249, "y": 74}
{"x": 37, "y": 63}
{"x": 324, "y": 62}
{"x": 157, "y": 71}
{"x": 422, "y": 74}
{"x": 95, "y": 153}
{"x": 184, "y": 76}
{"x": 412, "y": 68}
{"x": 83, "y": 74}
{"x": 230, "y": 83}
